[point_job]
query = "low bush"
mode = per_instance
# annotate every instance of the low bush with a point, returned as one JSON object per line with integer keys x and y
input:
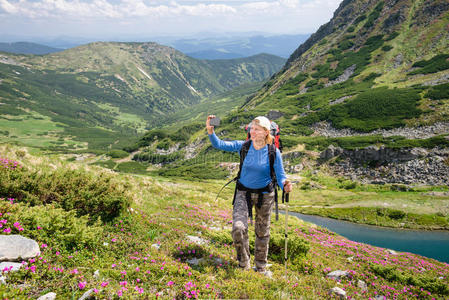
{"x": 346, "y": 44}
{"x": 297, "y": 247}
{"x": 375, "y": 109}
{"x": 396, "y": 214}
{"x": 437, "y": 63}
{"x": 157, "y": 158}
{"x": 117, "y": 153}
{"x": 62, "y": 228}
{"x": 131, "y": 167}
{"x": 96, "y": 195}
{"x": 374, "y": 15}
{"x": 439, "y": 92}
{"x": 390, "y": 273}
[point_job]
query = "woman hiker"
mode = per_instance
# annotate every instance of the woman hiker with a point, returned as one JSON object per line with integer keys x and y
{"x": 254, "y": 186}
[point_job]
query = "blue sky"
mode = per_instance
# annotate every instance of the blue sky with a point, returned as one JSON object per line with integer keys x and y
{"x": 128, "y": 18}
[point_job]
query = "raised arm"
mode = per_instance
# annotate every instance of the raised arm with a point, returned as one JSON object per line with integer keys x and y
{"x": 232, "y": 146}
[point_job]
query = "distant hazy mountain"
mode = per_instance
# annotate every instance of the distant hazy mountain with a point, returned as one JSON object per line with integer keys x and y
{"x": 214, "y": 54}
{"x": 217, "y": 47}
{"x": 27, "y": 48}
{"x": 201, "y": 46}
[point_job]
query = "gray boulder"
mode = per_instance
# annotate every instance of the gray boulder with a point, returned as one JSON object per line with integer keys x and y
{"x": 16, "y": 248}
{"x": 362, "y": 285}
{"x": 331, "y": 152}
{"x": 48, "y": 296}
{"x": 87, "y": 295}
{"x": 274, "y": 114}
{"x": 338, "y": 292}
{"x": 196, "y": 240}
{"x": 337, "y": 275}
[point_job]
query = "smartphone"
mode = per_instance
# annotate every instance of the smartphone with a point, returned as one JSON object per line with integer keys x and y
{"x": 215, "y": 121}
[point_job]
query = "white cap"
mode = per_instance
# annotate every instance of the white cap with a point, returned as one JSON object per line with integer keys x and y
{"x": 264, "y": 122}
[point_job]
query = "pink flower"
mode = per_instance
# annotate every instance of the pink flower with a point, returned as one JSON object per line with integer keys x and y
{"x": 104, "y": 284}
{"x": 7, "y": 230}
{"x": 119, "y": 293}
{"x": 39, "y": 228}
{"x": 123, "y": 283}
{"x": 139, "y": 290}
{"x": 44, "y": 246}
{"x": 114, "y": 240}
{"x": 74, "y": 271}
{"x": 170, "y": 283}
{"x": 82, "y": 285}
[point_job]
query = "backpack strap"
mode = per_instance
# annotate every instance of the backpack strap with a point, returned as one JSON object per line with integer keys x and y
{"x": 272, "y": 158}
{"x": 243, "y": 152}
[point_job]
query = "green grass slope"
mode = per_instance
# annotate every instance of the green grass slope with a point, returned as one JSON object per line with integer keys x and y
{"x": 148, "y": 250}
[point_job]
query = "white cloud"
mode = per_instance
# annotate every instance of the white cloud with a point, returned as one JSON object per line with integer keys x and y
{"x": 171, "y": 15}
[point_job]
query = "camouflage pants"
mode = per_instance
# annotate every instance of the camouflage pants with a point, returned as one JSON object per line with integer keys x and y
{"x": 262, "y": 229}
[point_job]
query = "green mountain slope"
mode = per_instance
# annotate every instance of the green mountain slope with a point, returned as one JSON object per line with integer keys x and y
{"x": 120, "y": 89}
{"x": 376, "y": 64}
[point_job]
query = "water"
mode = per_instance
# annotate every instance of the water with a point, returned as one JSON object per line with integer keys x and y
{"x": 433, "y": 244}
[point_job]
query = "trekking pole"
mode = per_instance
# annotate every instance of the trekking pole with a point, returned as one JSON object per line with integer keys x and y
{"x": 286, "y": 196}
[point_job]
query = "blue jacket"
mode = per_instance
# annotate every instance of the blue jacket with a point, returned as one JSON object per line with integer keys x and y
{"x": 256, "y": 166}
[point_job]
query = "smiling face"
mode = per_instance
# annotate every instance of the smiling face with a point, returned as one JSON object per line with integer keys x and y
{"x": 258, "y": 133}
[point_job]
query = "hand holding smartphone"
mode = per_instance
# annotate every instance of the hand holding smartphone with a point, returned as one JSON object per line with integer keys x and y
{"x": 215, "y": 121}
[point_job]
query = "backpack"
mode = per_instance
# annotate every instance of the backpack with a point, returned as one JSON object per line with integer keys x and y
{"x": 274, "y": 131}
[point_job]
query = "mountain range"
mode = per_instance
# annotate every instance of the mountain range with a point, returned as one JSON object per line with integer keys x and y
{"x": 93, "y": 85}
{"x": 205, "y": 46}
{"x": 27, "y": 48}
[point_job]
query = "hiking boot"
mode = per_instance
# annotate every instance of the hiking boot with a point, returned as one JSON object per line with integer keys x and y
{"x": 246, "y": 266}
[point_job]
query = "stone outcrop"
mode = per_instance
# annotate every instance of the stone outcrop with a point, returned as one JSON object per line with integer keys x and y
{"x": 374, "y": 153}
{"x": 343, "y": 77}
{"x": 274, "y": 114}
{"x": 379, "y": 165}
{"x": 422, "y": 132}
